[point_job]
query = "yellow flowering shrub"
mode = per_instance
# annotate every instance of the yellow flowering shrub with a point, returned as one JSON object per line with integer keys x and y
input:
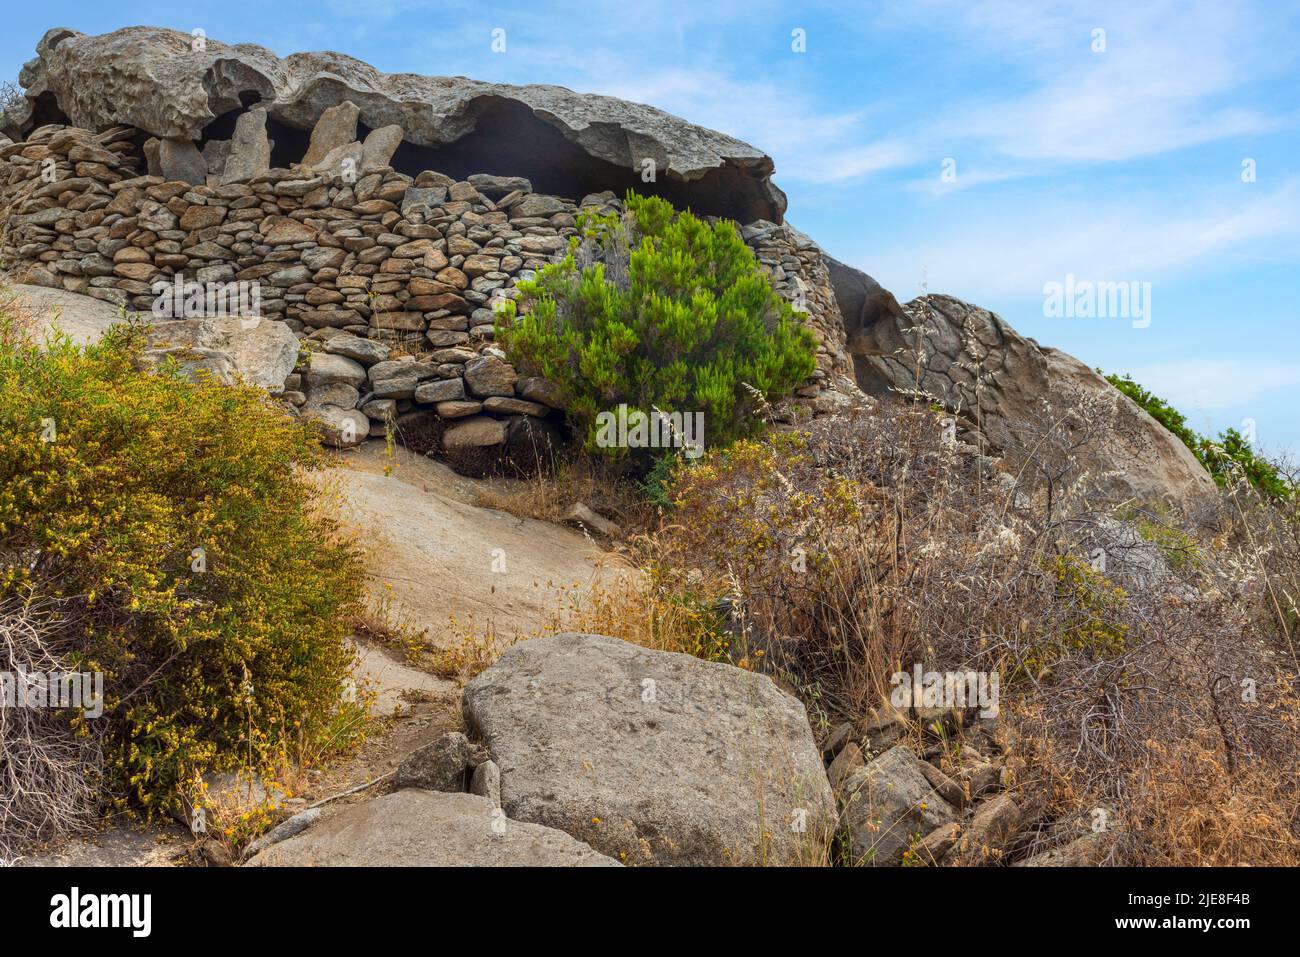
{"x": 171, "y": 524}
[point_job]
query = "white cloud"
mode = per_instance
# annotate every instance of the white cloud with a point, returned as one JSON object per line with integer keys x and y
{"x": 935, "y": 186}
{"x": 1170, "y": 77}
{"x": 1214, "y": 385}
{"x": 1013, "y": 251}
{"x": 808, "y": 145}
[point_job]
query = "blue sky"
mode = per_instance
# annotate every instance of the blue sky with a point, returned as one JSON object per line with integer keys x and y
{"x": 1122, "y": 165}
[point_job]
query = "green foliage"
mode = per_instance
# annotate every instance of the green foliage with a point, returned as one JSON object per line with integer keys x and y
{"x": 1223, "y": 458}
{"x": 1090, "y": 619}
{"x": 1177, "y": 547}
{"x": 657, "y": 484}
{"x": 1232, "y": 453}
{"x": 110, "y": 480}
{"x": 665, "y": 312}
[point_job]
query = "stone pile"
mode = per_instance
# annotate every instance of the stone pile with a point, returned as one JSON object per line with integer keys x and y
{"x": 620, "y": 753}
{"x": 655, "y": 758}
{"x": 389, "y": 280}
{"x": 942, "y": 802}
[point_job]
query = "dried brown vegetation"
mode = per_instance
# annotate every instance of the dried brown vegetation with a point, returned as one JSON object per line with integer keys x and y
{"x": 1142, "y": 673}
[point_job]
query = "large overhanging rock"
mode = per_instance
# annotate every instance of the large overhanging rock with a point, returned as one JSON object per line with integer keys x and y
{"x": 172, "y": 84}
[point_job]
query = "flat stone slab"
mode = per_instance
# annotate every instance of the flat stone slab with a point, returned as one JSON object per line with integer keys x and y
{"x": 414, "y": 828}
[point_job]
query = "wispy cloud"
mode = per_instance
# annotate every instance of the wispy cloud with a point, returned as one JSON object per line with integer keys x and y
{"x": 1012, "y": 252}
{"x": 1170, "y": 76}
{"x": 1216, "y": 385}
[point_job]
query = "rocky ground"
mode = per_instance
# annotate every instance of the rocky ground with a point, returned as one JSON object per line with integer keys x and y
{"x": 579, "y": 749}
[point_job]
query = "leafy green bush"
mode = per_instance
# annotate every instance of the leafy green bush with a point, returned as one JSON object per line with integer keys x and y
{"x": 172, "y": 525}
{"x": 1228, "y": 455}
{"x": 662, "y": 311}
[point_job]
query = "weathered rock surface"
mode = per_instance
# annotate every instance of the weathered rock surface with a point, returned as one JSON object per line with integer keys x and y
{"x": 336, "y": 127}
{"x": 157, "y": 80}
{"x": 1086, "y": 851}
{"x": 414, "y": 828}
{"x": 582, "y": 515}
{"x": 934, "y": 847}
{"x": 250, "y": 149}
{"x": 486, "y": 782}
{"x": 889, "y": 806}
{"x": 339, "y": 427}
{"x": 438, "y": 551}
{"x": 437, "y": 766}
{"x": 258, "y": 352}
{"x": 82, "y": 319}
{"x": 660, "y": 757}
{"x": 327, "y": 368}
{"x": 474, "y": 432}
{"x": 379, "y": 147}
{"x": 992, "y": 828}
{"x": 1024, "y": 390}
{"x": 181, "y": 161}
{"x": 286, "y": 829}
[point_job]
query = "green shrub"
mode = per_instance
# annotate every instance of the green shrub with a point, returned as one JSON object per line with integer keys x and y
{"x": 662, "y": 311}
{"x": 111, "y": 481}
{"x": 1223, "y": 458}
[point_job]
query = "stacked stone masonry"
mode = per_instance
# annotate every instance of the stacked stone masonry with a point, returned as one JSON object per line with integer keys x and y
{"x": 389, "y": 279}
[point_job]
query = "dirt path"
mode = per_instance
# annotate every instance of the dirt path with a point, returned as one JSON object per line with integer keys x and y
{"x": 448, "y": 560}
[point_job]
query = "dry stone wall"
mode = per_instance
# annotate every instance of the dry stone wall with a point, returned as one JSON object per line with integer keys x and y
{"x": 388, "y": 279}
{"x": 797, "y": 269}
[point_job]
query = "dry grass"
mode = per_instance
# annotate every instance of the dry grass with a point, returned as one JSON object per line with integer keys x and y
{"x": 1191, "y": 810}
{"x": 48, "y": 771}
{"x": 548, "y": 495}
{"x": 17, "y": 322}
{"x": 630, "y": 608}
{"x": 868, "y": 545}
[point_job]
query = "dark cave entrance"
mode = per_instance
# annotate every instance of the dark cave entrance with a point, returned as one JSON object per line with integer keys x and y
{"x": 46, "y": 111}
{"x": 289, "y": 144}
{"x": 508, "y": 140}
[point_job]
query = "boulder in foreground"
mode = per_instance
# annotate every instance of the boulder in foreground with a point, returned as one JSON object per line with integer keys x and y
{"x": 651, "y": 756}
{"x": 890, "y": 807}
